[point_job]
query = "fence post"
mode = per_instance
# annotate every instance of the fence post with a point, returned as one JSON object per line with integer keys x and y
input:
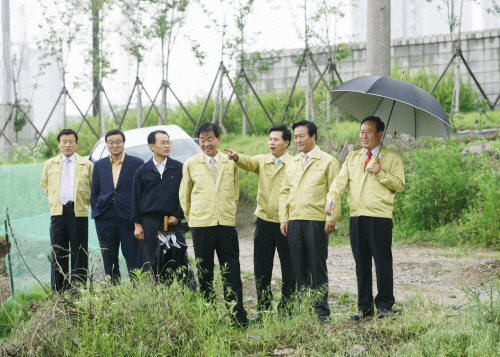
{"x": 8, "y": 262}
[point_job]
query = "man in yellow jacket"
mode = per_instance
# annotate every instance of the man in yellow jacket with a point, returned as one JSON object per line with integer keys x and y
{"x": 209, "y": 196}
{"x": 307, "y": 179}
{"x": 373, "y": 174}
{"x": 267, "y": 237}
{"x": 66, "y": 180}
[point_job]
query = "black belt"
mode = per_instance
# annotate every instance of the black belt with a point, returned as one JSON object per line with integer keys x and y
{"x": 70, "y": 204}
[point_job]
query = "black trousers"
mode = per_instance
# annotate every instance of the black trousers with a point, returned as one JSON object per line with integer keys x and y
{"x": 309, "y": 250}
{"x": 69, "y": 236}
{"x": 224, "y": 241}
{"x": 372, "y": 237}
{"x": 148, "y": 247}
{"x": 114, "y": 231}
{"x": 268, "y": 238}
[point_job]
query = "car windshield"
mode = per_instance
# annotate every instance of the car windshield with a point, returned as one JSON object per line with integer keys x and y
{"x": 181, "y": 150}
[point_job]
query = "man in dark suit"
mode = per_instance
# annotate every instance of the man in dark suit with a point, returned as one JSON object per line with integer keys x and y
{"x": 110, "y": 200}
{"x": 156, "y": 195}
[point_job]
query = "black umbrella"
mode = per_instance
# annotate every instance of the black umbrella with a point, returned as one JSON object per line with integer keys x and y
{"x": 401, "y": 106}
{"x": 168, "y": 255}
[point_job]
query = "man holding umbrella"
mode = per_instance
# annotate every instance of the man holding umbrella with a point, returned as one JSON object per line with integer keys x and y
{"x": 155, "y": 200}
{"x": 373, "y": 174}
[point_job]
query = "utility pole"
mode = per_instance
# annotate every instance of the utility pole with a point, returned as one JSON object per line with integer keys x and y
{"x": 7, "y": 75}
{"x": 378, "y": 43}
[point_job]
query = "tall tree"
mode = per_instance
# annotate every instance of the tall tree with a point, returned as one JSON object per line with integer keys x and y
{"x": 324, "y": 30}
{"x": 253, "y": 63}
{"x": 168, "y": 17}
{"x": 99, "y": 52}
{"x": 60, "y": 31}
{"x": 453, "y": 18}
{"x": 137, "y": 44}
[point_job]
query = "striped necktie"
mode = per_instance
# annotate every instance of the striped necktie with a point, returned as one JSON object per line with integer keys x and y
{"x": 213, "y": 169}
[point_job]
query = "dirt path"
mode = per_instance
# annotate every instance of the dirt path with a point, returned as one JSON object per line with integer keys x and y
{"x": 434, "y": 273}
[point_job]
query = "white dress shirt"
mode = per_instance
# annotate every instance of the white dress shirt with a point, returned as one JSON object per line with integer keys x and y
{"x": 160, "y": 167}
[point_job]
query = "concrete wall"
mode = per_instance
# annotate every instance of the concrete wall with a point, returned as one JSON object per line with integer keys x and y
{"x": 480, "y": 49}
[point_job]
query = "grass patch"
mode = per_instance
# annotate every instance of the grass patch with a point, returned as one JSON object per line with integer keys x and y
{"x": 155, "y": 320}
{"x": 17, "y": 308}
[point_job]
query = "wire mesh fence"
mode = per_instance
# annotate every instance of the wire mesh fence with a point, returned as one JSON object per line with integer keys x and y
{"x": 28, "y": 210}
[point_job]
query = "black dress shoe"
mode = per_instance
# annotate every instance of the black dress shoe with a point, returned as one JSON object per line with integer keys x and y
{"x": 324, "y": 319}
{"x": 361, "y": 314}
{"x": 381, "y": 313}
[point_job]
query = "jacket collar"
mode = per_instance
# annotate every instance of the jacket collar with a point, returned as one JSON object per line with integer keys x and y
{"x": 270, "y": 158}
{"x": 316, "y": 154}
{"x": 150, "y": 165}
{"x": 383, "y": 151}
{"x": 58, "y": 158}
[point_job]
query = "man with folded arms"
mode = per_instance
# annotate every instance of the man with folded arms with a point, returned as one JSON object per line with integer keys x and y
{"x": 267, "y": 237}
{"x": 155, "y": 195}
{"x": 307, "y": 179}
{"x": 373, "y": 174}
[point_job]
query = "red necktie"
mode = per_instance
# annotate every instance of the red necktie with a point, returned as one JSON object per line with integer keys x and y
{"x": 369, "y": 153}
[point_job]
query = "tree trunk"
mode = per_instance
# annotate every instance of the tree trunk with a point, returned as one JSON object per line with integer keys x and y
{"x": 101, "y": 113}
{"x": 328, "y": 100}
{"x": 456, "y": 97}
{"x": 308, "y": 88}
{"x": 217, "y": 95}
{"x": 163, "y": 103}
{"x": 139, "y": 106}
{"x": 244, "y": 128}
{"x": 63, "y": 100}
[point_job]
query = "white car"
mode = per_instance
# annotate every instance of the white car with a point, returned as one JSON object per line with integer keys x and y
{"x": 136, "y": 144}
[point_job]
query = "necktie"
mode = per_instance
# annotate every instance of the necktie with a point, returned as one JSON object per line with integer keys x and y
{"x": 305, "y": 159}
{"x": 65, "y": 182}
{"x": 277, "y": 161}
{"x": 213, "y": 169}
{"x": 369, "y": 154}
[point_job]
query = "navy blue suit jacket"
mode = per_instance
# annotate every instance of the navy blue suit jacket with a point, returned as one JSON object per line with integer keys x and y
{"x": 103, "y": 191}
{"x": 157, "y": 195}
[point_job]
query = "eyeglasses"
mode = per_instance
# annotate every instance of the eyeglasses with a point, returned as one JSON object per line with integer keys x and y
{"x": 164, "y": 143}
{"x": 113, "y": 143}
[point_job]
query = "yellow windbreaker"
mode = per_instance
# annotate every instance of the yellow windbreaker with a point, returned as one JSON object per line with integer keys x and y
{"x": 303, "y": 194}
{"x": 369, "y": 195}
{"x": 270, "y": 180}
{"x": 206, "y": 204}
{"x": 51, "y": 184}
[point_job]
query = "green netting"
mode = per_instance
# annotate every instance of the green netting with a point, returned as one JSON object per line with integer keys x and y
{"x": 22, "y": 194}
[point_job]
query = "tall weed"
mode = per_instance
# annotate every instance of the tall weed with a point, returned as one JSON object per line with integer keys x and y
{"x": 440, "y": 185}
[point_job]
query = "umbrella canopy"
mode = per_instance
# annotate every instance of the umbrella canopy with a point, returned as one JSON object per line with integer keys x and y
{"x": 401, "y": 106}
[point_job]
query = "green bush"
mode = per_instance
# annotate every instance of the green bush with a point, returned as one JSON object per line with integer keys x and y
{"x": 450, "y": 199}
{"x": 439, "y": 186}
